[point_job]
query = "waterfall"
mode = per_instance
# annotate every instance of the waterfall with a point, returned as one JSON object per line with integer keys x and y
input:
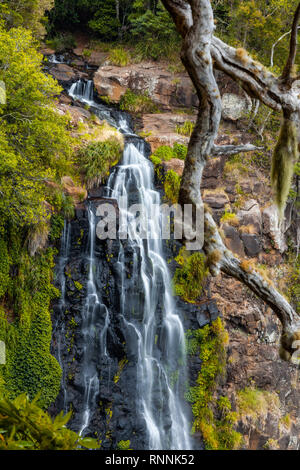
{"x": 161, "y": 341}
{"x": 151, "y": 323}
{"x": 95, "y": 318}
{"x": 83, "y": 91}
{"x": 59, "y": 332}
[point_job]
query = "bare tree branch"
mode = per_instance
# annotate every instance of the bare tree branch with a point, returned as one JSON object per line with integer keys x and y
{"x": 287, "y": 71}
{"x": 234, "y": 149}
{"x": 194, "y": 21}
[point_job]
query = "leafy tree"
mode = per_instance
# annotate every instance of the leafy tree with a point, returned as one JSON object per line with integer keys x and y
{"x": 34, "y": 142}
{"x": 27, "y": 13}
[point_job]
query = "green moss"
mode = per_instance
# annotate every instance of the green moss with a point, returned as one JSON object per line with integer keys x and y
{"x": 189, "y": 278}
{"x": 285, "y": 156}
{"x": 230, "y": 218}
{"x": 78, "y": 285}
{"x": 123, "y": 445}
{"x": 254, "y": 402}
{"x": 172, "y": 186}
{"x": 5, "y": 262}
{"x": 212, "y": 417}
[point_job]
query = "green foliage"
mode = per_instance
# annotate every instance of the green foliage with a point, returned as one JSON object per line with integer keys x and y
{"x": 29, "y": 365}
{"x": 217, "y": 431}
{"x": 154, "y": 33}
{"x": 96, "y": 159}
{"x": 134, "y": 103}
{"x": 26, "y": 13}
{"x": 119, "y": 56}
{"x": 293, "y": 281}
{"x": 254, "y": 402}
{"x": 25, "y": 426}
{"x": 285, "y": 156}
{"x": 165, "y": 152}
{"x": 172, "y": 186}
{"x": 34, "y": 144}
{"x": 190, "y": 277}
{"x": 230, "y": 218}
{"x": 123, "y": 445}
{"x": 62, "y": 42}
{"x": 186, "y": 128}
{"x": 256, "y": 25}
{"x": 180, "y": 151}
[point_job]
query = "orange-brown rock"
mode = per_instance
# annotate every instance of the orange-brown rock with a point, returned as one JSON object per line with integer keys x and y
{"x": 166, "y": 89}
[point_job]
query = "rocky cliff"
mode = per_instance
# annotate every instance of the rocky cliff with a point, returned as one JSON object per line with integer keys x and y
{"x": 262, "y": 389}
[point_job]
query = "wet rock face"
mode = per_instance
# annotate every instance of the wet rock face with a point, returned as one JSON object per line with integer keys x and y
{"x": 115, "y": 415}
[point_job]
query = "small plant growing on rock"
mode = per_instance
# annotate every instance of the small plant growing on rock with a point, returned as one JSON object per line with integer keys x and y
{"x": 119, "y": 56}
{"x": 186, "y": 128}
{"x": 189, "y": 279}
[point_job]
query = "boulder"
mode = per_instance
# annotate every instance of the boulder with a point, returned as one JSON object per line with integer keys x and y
{"x": 234, "y": 106}
{"x": 233, "y": 241}
{"x": 63, "y": 73}
{"x": 212, "y": 172}
{"x": 252, "y": 244}
{"x": 160, "y": 129}
{"x": 216, "y": 199}
{"x": 250, "y": 215}
{"x": 274, "y": 228}
{"x": 174, "y": 164}
{"x": 165, "y": 90}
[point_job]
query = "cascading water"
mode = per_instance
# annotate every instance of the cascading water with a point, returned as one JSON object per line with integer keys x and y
{"x": 84, "y": 91}
{"x": 151, "y": 326}
{"x": 160, "y": 335}
{"x": 58, "y": 332}
{"x": 95, "y": 318}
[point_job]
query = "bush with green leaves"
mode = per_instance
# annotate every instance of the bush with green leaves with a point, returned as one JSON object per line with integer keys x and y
{"x": 96, "y": 159}
{"x": 25, "y": 426}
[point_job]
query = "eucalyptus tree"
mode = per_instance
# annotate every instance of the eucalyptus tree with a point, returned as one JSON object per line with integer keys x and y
{"x": 201, "y": 53}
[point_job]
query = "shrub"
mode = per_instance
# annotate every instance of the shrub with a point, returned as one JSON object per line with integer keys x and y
{"x": 254, "y": 402}
{"x": 179, "y": 151}
{"x": 62, "y": 42}
{"x": 134, "y": 103}
{"x": 96, "y": 159}
{"x": 164, "y": 152}
{"x": 189, "y": 278}
{"x": 119, "y": 56}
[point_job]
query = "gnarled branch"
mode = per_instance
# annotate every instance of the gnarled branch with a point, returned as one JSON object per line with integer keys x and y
{"x": 194, "y": 21}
